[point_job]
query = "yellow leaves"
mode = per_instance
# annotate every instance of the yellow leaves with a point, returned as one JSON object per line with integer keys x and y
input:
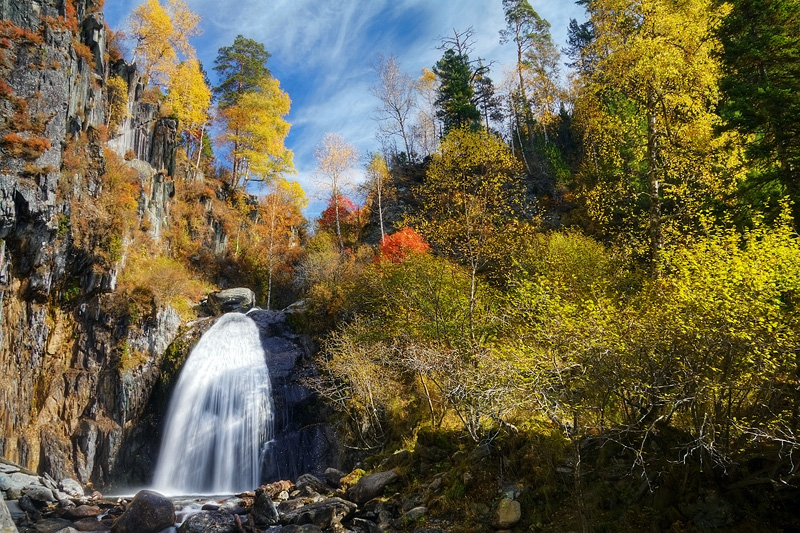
{"x": 117, "y": 92}
{"x": 161, "y": 37}
{"x": 189, "y": 96}
{"x": 256, "y": 130}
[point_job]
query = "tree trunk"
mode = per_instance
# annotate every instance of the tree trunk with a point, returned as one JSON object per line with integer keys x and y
{"x": 654, "y": 185}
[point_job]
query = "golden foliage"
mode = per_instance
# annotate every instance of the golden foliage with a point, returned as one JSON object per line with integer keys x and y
{"x": 188, "y": 95}
{"x": 161, "y": 36}
{"x": 255, "y": 131}
{"x": 117, "y": 91}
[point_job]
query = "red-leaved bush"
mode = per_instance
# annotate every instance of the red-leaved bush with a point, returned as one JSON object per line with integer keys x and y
{"x": 397, "y": 246}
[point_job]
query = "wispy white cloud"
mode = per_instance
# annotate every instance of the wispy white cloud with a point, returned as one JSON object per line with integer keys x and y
{"x": 322, "y": 52}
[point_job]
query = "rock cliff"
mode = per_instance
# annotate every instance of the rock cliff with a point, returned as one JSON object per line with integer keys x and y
{"x": 73, "y": 379}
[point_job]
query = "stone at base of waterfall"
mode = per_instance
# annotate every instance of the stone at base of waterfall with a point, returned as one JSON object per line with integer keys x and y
{"x": 225, "y": 301}
{"x": 306, "y": 528}
{"x": 312, "y": 482}
{"x": 148, "y": 512}
{"x": 14, "y": 483}
{"x": 82, "y": 511}
{"x": 264, "y": 512}
{"x": 6, "y": 522}
{"x": 370, "y": 486}
{"x": 210, "y": 522}
{"x": 52, "y": 525}
{"x": 334, "y": 477}
{"x": 507, "y": 514}
{"x": 323, "y": 514}
{"x": 71, "y": 487}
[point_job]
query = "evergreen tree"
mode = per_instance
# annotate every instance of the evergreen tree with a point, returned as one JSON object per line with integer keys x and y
{"x": 761, "y": 88}
{"x": 455, "y": 98}
{"x": 241, "y": 67}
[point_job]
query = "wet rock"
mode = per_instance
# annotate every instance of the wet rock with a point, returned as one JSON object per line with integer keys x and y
{"x": 263, "y": 511}
{"x": 362, "y": 525}
{"x": 13, "y": 484}
{"x": 6, "y": 522}
{"x": 334, "y": 477}
{"x": 370, "y": 486}
{"x": 39, "y": 493}
{"x": 507, "y": 514}
{"x": 225, "y": 301}
{"x": 312, "y": 482}
{"x": 148, "y": 512}
{"x": 210, "y": 522}
{"x": 28, "y": 507}
{"x": 82, "y": 511}
{"x": 306, "y": 528}
{"x": 323, "y": 514}
{"x": 92, "y": 524}
{"x": 52, "y": 525}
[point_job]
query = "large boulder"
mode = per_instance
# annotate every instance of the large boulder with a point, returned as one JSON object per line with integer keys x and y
{"x": 225, "y": 301}
{"x": 148, "y": 512}
{"x": 370, "y": 486}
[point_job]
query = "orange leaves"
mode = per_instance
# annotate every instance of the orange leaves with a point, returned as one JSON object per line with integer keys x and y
{"x": 28, "y": 148}
{"x": 346, "y": 208}
{"x": 398, "y": 246}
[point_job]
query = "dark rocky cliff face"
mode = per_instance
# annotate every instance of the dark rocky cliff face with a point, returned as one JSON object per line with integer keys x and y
{"x": 73, "y": 379}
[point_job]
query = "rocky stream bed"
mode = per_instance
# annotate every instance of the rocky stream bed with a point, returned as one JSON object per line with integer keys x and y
{"x": 338, "y": 503}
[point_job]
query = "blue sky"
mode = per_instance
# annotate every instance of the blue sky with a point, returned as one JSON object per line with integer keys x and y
{"x": 322, "y": 52}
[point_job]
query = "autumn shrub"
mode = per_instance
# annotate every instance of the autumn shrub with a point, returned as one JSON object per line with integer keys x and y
{"x": 5, "y": 90}
{"x": 28, "y": 148}
{"x": 399, "y": 245}
{"x": 13, "y": 32}
{"x": 332, "y": 280}
{"x": 161, "y": 280}
{"x": 117, "y": 94}
{"x": 705, "y": 349}
{"x": 101, "y": 222}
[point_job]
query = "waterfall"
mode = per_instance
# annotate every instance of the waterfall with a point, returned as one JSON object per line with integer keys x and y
{"x": 219, "y": 423}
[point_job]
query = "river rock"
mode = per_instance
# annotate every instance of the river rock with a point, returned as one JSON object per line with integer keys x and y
{"x": 238, "y": 299}
{"x": 322, "y": 514}
{"x": 507, "y": 514}
{"x": 306, "y": 528}
{"x": 334, "y": 477}
{"x": 6, "y": 523}
{"x": 68, "y": 530}
{"x": 39, "y": 493}
{"x": 209, "y": 522}
{"x": 312, "y": 482}
{"x": 370, "y": 486}
{"x": 365, "y": 526}
{"x": 148, "y": 512}
{"x": 92, "y": 524}
{"x": 71, "y": 487}
{"x": 52, "y": 525}
{"x": 82, "y": 511}
{"x": 12, "y": 484}
{"x": 263, "y": 511}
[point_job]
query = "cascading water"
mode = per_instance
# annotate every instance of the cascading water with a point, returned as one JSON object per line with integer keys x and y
{"x": 219, "y": 423}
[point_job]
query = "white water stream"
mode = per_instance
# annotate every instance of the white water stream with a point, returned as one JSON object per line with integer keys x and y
{"x": 220, "y": 419}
